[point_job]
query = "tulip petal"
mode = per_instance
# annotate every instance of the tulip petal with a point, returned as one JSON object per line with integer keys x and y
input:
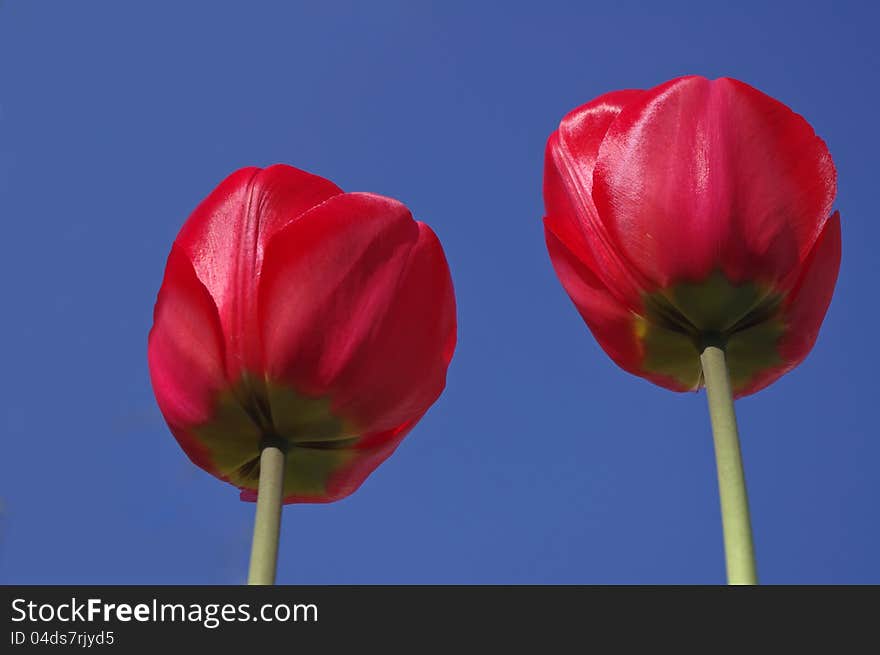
{"x": 609, "y": 321}
{"x": 322, "y": 276}
{"x": 225, "y": 238}
{"x": 568, "y": 182}
{"x": 698, "y": 174}
{"x": 617, "y": 329}
{"x": 399, "y": 367}
{"x": 805, "y": 308}
{"x": 186, "y": 353}
{"x": 356, "y": 306}
{"x": 574, "y": 147}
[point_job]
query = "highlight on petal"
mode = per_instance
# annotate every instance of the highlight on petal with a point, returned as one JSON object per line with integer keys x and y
{"x": 241, "y": 215}
{"x": 696, "y": 170}
{"x": 568, "y": 181}
{"x": 574, "y": 146}
{"x": 225, "y": 238}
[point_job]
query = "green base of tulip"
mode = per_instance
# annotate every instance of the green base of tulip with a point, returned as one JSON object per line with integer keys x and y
{"x": 745, "y": 315}
{"x": 267, "y": 522}
{"x": 738, "y": 544}
{"x": 317, "y": 443}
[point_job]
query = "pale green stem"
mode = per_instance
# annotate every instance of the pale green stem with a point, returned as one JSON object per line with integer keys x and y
{"x": 738, "y": 546}
{"x": 267, "y": 522}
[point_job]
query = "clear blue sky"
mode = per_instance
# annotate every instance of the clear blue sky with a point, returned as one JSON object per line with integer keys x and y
{"x": 542, "y": 462}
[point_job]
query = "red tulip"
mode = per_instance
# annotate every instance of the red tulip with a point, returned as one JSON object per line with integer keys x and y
{"x": 691, "y": 212}
{"x": 293, "y": 311}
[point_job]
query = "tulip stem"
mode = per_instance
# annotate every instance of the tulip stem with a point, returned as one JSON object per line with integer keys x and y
{"x": 738, "y": 545}
{"x": 267, "y": 522}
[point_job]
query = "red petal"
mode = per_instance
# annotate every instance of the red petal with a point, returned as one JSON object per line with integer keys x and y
{"x": 225, "y": 238}
{"x": 356, "y": 304}
{"x": 613, "y": 325}
{"x": 610, "y": 322}
{"x": 698, "y": 174}
{"x": 568, "y": 182}
{"x": 806, "y": 305}
{"x": 576, "y": 142}
{"x": 399, "y": 368}
{"x": 186, "y": 353}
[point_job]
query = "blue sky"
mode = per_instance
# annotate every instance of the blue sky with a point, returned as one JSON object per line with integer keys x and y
{"x": 542, "y": 462}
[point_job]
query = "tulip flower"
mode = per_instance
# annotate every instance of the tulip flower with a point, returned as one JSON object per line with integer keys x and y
{"x": 691, "y": 226}
{"x": 299, "y": 334}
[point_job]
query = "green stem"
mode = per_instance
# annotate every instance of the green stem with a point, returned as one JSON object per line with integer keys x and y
{"x": 267, "y": 523}
{"x": 738, "y": 546}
